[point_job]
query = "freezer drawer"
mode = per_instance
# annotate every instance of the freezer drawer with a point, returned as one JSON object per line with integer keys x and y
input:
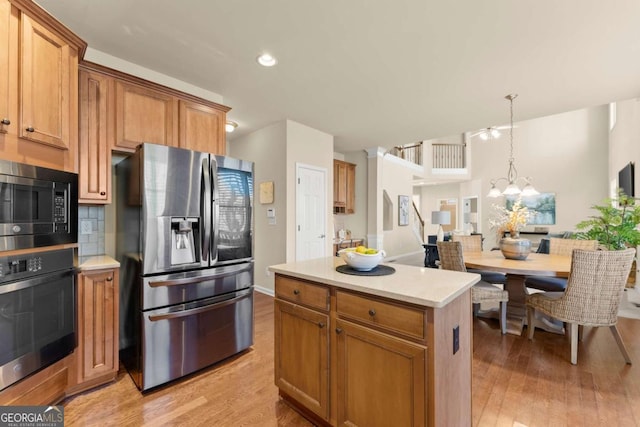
{"x": 178, "y": 288}
{"x": 182, "y": 339}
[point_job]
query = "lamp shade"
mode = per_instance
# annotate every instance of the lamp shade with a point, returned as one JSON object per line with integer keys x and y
{"x": 441, "y": 217}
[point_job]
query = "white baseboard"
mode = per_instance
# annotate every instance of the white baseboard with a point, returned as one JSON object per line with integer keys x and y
{"x": 264, "y": 290}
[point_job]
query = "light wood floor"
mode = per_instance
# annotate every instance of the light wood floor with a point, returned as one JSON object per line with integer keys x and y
{"x": 516, "y": 382}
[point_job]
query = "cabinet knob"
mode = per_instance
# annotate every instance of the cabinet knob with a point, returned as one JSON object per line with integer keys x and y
{"x": 320, "y": 325}
{"x": 109, "y": 279}
{"x": 296, "y": 292}
{"x": 30, "y": 129}
{"x": 102, "y": 193}
{"x": 338, "y": 330}
{"x": 372, "y": 312}
{"x": 5, "y": 121}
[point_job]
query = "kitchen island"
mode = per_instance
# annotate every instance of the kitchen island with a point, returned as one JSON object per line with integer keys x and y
{"x": 374, "y": 350}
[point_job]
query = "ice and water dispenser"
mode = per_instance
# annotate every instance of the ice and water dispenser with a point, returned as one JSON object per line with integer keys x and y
{"x": 184, "y": 238}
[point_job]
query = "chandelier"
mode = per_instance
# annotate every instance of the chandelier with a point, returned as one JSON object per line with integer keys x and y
{"x": 512, "y": 174}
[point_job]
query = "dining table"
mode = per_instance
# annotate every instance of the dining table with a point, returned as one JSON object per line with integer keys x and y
{"x": 516, "y": 272}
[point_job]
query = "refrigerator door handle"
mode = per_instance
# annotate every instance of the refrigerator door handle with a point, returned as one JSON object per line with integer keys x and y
{"x": 193, "y": 279}
{"x": 205, "y": 209}
{"x": 215, "y": 211}
{"x": 191, "y": 312}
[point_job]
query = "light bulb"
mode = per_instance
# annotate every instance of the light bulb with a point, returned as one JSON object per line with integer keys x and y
{"x": 266, "y": 60}
{"x": 230, "y": 126}
{"x": 511, "y": 190}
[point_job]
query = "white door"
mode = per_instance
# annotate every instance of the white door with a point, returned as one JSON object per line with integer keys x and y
{"x": 311, "y": 212}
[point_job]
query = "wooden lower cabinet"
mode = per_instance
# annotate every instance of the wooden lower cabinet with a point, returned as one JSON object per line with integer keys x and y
{"x": 97, "y": 352}
{"x": 389, "y": 363}
{"x": 302, "y": 342}
{"x": 381, "y": 379}
{"x": 45, "y": 387}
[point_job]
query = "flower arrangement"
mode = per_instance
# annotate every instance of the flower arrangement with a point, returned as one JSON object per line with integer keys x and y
{"x": 511, "y": 220}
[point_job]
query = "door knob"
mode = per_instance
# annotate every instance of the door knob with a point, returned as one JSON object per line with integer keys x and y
{"x": 30, "y": 129}
{"x": 5, "y": 121}
{"x": 321, "y": 236}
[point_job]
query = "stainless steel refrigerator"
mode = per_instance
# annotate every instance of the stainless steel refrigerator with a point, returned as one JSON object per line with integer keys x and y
{"x": 185, "y": 244}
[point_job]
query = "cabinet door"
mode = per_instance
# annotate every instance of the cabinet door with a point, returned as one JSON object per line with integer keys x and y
{"x": 381, "y": 379}
{"x": 97, "y": 324}
{"x": 143, "y": 115}
{"x": 350, "y": 190}
{"x": 339, "y": 184}
{"x": 46, "y": 89}
{"x": 202, "y": 128}
{"x": 302, "y": 355}
{"x": 95, "y": 152}
{"x": 8, "y": 54}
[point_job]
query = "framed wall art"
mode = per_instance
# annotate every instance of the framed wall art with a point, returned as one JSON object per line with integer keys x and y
{"x": 541, "y": 206}
{"x": 403, "y": 210}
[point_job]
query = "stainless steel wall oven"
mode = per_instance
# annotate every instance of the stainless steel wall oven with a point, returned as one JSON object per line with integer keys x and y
{"x": 37, "y": 312}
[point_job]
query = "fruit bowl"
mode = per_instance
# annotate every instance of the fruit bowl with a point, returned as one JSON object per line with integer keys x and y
{"x": 361, "y": 261}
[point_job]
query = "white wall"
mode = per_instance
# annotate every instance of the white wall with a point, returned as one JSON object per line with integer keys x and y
{"x": 267, "y": 149}
{"x": 315, "y": 148}
{"x": 275, "y": 150}
{"x": 430, "y": 197}
{"x": 565, "y": 154}
{"x": 624, "y": 140}
{"x": 397, "y": 179}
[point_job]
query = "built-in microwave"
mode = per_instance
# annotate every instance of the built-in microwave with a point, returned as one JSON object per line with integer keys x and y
{"x": 38, "y": 206}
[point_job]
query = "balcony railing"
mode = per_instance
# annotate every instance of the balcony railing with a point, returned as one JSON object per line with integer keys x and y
{"x": 449, "y": 156}
{"x": 411, "y": 153}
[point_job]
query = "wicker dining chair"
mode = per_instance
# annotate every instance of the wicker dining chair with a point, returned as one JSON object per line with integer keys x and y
{"x": 473, "y": 243}
{"x": 451, "y": 258}
{"x": 592, "y": 298}
{"x": 558, "y": 246}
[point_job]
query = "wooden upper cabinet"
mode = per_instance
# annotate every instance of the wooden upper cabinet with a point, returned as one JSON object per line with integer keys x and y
{"x": 144, "y": 115}
{"x": 38, "y": 87}
{"x": 8, "y": 54}
{"x": 202, "y": 128}
{"x": 47, "y": 64}
{"x": 344, "y": 186}
{"x": 96, "y": 130}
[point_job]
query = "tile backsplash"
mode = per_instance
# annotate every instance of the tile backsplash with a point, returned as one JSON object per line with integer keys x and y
{"x": 91, "y": 230}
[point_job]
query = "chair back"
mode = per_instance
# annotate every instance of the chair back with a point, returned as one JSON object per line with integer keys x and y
{"x": 451, "y": 256}
{"x": 472, "y": 243}
{"x": 594, "y": 289}
{"x": 558, "y": 246}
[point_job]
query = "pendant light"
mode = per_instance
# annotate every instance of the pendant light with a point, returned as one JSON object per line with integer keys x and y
{"x": 512, "y": 174}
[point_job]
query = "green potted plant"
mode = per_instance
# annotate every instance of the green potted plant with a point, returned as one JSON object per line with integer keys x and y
{"x": 615, "y": 226}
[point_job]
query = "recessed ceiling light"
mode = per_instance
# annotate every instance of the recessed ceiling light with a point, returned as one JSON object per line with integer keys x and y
{"x": 266, "y": 60}
{"x": 230, "y": 126}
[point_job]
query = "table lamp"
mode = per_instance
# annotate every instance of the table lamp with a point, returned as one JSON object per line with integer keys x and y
{"x": 473, "y": 219}
{"x": 441, "y": 218}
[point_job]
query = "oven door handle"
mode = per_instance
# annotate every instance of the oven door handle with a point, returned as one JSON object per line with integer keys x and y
{"x": 35, "y": 281}
{"x": 191, "y": 312}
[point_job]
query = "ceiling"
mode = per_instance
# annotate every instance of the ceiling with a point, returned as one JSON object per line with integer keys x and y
{"x": 377, "y": 73}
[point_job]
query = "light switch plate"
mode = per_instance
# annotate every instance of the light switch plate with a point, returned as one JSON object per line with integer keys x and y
{"x": 85, "y": 227}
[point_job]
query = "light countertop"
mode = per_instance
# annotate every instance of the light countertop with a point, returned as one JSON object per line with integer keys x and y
{"x": 96, "y": 262}
{"x": 427, "y": 287}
